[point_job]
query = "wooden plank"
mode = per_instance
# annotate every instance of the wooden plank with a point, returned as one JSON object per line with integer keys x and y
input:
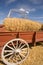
{"x": 39, "y": 36}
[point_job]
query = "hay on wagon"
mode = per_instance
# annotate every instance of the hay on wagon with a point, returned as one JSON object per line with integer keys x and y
{"x": 19, "y": 24}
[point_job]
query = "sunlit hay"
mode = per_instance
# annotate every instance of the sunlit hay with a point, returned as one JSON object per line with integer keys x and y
{"x": 17, "y": 24}
{"x": 35, "y": 57}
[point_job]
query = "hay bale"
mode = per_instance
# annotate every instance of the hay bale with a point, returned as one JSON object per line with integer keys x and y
{"x": 17, "y": 24}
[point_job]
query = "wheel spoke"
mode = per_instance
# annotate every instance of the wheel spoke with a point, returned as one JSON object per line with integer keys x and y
{"x": 7, "y": 50}
{"x": 22, "y": 55}
{"x": 13, "y": 45}
{"x": 8, "y": 54}
{"x": 24, "y": 49}
{"x": 20, "y": 45}
{"x": 10, "y": 58}
{"x": 15, "y": 58}
{"x": 10, "y": 47}
{"x": 23, "y": 46}
{"x": 19, "y": 57}
{"x": 17, "y": 44}
{"x": 24, "y": 52}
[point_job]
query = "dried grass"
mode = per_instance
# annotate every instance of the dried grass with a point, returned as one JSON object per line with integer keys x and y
{"x": 16, "y": 24}
{"x": 35, "y": 57}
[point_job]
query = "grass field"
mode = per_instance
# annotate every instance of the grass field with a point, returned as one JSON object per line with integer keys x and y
{"x": 35, "y": 57}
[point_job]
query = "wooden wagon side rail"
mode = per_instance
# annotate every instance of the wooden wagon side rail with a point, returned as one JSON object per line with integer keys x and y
{"x": 37, "y": 37}
{"x": 30, "y": 37}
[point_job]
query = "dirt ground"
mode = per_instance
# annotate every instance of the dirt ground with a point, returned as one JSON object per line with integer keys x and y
{"x": 34, "y": 58}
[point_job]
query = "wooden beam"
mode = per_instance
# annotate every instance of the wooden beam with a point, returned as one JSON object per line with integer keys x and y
{"x": 34, "y": 39}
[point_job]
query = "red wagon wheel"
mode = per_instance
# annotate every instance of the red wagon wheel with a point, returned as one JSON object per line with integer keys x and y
{"x": 15, "y": 51}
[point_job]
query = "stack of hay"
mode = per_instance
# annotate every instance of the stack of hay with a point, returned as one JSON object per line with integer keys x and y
{"x": 21, "y": 25}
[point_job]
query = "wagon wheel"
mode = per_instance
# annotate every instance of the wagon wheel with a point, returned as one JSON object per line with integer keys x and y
{"x": 15, "y": 51}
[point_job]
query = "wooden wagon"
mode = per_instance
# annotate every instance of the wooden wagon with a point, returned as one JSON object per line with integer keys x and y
{"x": 14, "y": 46}
{"x": 17, "y": 42}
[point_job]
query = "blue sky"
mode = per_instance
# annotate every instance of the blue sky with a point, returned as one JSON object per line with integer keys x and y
{"x": 34, "y": 7}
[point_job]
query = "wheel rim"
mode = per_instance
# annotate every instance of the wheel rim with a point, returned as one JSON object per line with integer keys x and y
{"x": 15, "y": 51}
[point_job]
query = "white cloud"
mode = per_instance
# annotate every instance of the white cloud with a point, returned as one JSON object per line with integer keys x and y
{"x": 27, "y": 10}
{"x": 23, "y": 10}
{"x": 10, "y": 1}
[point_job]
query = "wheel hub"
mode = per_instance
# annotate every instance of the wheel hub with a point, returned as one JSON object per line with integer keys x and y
{"x": 17, "y": 51}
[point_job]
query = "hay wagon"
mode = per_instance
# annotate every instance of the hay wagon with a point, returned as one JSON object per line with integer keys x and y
{"x": 14, "y": 46}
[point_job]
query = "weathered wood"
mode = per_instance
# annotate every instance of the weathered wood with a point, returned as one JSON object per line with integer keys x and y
{"x": 34, "y": 39}
{"x": 30, "y": 37}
